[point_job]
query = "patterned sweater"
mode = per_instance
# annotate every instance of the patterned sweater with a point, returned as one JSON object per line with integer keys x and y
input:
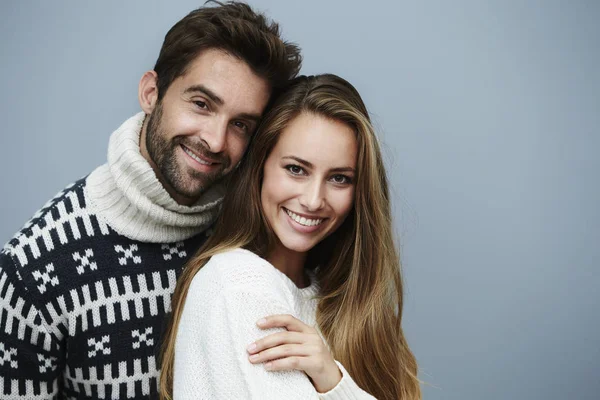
{"x": 86, "y": 285}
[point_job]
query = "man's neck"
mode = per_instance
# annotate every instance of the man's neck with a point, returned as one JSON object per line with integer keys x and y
{"x": 126, "y": 194}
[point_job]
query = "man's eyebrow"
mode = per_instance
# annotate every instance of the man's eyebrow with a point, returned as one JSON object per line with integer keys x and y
{"x": 205, "y": 91}
{"x": 219, "y": 101}
{"x": 310, "y": 165}
{"x": 251, "y": 117}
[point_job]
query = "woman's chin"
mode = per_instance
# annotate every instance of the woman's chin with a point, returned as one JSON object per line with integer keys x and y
{"x": 298, "y": 247}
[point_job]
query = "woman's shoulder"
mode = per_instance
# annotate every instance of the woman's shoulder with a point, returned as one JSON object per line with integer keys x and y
{"x": 237, "y": 269}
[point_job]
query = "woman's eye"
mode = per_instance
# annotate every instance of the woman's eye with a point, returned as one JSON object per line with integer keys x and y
{"x": 341, "y": 179}
{"x": 294, "y": 169}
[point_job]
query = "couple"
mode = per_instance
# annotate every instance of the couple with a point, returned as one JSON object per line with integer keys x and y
{"x": 115, "y": 290}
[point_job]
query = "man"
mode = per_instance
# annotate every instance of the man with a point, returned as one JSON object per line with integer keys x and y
{"x": 86, "y": 285}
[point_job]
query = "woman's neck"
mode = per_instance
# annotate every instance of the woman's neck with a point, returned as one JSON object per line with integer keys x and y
{"x": 291, "y": 263}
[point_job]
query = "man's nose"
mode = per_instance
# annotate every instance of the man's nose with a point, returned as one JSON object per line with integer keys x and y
{"x": 215, "y": 135}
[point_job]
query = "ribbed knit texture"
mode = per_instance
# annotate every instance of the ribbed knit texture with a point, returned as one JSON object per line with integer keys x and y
{"x": 86, "y": 285}
{"x": 127, "y": 194}
{"x": 226, "y": 298}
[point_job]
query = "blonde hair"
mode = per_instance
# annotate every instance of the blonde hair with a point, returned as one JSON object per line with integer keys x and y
{"x": 360, "y": 306}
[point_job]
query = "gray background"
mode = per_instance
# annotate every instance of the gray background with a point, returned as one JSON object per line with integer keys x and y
{"x": 489, "y": 112}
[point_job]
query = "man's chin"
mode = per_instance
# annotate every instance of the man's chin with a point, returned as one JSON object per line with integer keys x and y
{"x": 191, "y": 188}
{"x": 184, "y": 194}
{"x": 192, "y": 193}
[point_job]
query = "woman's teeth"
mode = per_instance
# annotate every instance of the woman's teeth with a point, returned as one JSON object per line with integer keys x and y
{"x": 302, "y": 220}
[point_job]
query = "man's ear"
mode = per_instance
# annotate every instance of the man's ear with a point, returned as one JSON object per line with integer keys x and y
{"x": 148, "y": 91}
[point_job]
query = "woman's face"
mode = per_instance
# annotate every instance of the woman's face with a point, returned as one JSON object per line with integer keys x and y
{"x": 309, "y": 180}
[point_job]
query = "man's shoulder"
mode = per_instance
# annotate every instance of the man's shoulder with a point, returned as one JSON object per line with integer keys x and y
{"x": 64, "y": 219}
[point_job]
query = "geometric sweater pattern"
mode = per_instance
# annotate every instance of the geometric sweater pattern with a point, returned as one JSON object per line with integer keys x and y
{"x": 82, "y": 307}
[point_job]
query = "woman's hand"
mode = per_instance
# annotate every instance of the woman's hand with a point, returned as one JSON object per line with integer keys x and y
{"x": 300, "y": 347}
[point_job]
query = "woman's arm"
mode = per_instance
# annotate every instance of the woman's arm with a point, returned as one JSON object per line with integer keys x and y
{"x": 211, "y": 360}
{"x": 300, "y": 347}
{"x": 218, "y": 324}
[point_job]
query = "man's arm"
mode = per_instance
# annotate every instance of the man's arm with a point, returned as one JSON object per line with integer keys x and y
{"x": 30, "y": 356}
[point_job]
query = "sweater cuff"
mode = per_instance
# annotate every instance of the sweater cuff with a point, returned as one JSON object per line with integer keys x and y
{"x": 345, "y": 389}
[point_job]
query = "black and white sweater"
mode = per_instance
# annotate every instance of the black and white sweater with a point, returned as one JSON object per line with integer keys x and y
{"x": 86, "y": 285}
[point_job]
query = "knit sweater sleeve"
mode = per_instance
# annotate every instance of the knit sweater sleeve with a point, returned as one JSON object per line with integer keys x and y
{"x": 29, "y": 353}
{"x": 347, "y": 389}
{"x": 219, "y": 322}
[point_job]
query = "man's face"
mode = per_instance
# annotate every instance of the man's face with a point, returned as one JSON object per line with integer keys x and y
{"x": 200, "y": 129}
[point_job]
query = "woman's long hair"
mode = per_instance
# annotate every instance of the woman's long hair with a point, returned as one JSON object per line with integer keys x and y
{"x": 360, "y": 306}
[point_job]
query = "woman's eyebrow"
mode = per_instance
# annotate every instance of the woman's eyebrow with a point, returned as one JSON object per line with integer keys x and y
{"x": 300, "y": 160}
{"x": 310, "y": 165}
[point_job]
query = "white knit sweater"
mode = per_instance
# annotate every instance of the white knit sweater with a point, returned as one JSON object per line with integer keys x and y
{"x": 226, "y": 298}
{"x": 126, "y": 194}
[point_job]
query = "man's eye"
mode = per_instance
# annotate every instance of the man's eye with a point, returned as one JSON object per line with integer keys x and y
{"x": 201, "y": 104}
{"x": 294, "y": 169}
{"x": 241, "y": 125}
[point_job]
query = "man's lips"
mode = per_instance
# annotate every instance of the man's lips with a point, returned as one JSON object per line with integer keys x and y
{"x": 198, "y": 157}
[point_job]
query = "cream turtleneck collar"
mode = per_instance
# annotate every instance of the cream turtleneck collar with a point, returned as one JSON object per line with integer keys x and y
{"x": 126, "y": 194}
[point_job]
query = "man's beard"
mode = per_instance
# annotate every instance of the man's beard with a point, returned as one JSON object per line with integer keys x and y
{"x": 184, "y": 180}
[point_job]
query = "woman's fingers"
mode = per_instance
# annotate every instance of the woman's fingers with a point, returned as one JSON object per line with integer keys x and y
{"x": 276, "y": 339}
{"x": 299, "y": 347}
{"x": 283, "y": 351}
{"x": 283, "y": 321}
{"x": 288, "y": 363}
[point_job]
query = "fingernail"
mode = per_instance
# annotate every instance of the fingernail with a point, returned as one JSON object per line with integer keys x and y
{"x": 253, "y": 357}
{"x": 268, "y": 365}
{"x": 252, "y": 347}
{"x": 261, "y": 321}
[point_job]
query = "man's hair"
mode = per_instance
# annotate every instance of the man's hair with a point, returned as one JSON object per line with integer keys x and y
{"x": 238, "y": 30}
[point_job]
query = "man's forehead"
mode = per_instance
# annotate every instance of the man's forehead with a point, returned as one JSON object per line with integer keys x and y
{"x": 222, "y": 68}
{"x": 227, "y": 82}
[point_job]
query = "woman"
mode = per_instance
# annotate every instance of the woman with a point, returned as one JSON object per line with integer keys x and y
{"x": 298, "y": 292}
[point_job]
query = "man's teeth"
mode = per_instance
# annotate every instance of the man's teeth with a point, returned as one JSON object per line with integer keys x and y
{"x": 195, "y": 157}
{"x": 302, "y": 220}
